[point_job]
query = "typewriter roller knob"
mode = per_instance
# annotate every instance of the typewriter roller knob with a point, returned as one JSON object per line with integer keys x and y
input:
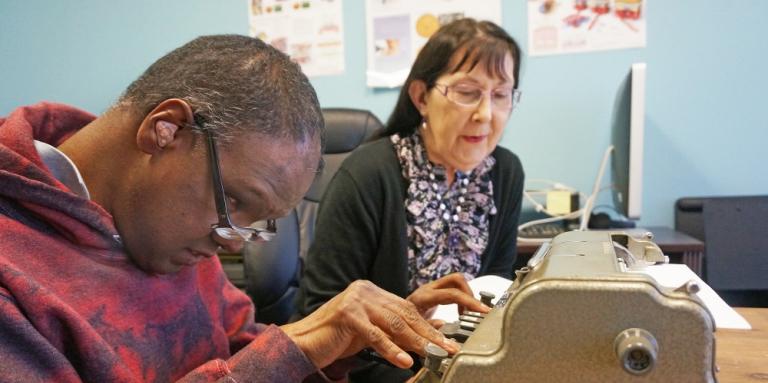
{"x": 636, "y": 349}
{"x": 487, "y": 298}
{"x": 435, "y": 357}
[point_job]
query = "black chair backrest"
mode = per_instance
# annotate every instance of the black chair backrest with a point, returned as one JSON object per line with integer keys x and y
{"x": 273, "y": 269}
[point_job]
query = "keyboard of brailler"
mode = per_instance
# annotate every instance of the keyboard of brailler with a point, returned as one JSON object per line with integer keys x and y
{"x": 468, "y": 321}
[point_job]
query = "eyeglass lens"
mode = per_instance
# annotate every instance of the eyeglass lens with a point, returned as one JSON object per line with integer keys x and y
{"x": 259, "y": 231}
{"x": 503, "y": 98}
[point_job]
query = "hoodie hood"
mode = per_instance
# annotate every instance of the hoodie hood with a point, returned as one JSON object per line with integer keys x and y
{"x": 27, "y": 182}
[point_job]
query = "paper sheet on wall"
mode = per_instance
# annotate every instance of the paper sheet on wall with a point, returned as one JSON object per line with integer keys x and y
{"x": 571, "y": 26}
{"x": 669, "y": 275}
{"x": 397, "y": 29}
{"x": 310, "y": 31}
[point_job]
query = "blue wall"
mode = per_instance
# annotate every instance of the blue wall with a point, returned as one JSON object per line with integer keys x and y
{"x": 705, "y": 134}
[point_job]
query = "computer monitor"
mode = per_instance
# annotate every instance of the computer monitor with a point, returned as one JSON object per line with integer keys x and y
{"x": 627, "y": 139}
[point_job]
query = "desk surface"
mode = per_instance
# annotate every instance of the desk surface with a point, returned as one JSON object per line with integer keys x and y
{"x": 742, "y": 355}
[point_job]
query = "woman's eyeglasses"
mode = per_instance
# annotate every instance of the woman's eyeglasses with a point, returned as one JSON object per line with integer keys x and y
{"x": 470, "y": 96}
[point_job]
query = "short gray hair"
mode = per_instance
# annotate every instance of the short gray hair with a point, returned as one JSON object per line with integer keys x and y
{"x": 234, "y": 84}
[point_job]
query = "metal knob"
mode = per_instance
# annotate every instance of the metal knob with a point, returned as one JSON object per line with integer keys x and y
{"x": 435, "y": 357}
{"x": 637, "y": 350}
{"x": 487, "y": 298}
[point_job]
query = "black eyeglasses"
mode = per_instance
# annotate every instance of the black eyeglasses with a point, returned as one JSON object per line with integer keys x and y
{"x": 257, "y": 232}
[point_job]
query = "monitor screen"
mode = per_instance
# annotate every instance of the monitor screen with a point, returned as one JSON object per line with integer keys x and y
{"x": 627, "y": 139}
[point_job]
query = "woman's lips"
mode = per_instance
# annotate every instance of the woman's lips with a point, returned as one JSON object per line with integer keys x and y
{"x": 473, "y": 139}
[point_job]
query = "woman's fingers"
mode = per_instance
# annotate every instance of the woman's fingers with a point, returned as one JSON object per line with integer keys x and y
{"x": 452, "y": 295}
{"x": 455, "y": 280}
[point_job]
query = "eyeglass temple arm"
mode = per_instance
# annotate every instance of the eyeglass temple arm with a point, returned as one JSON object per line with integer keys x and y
{"x": 218, "y": 186}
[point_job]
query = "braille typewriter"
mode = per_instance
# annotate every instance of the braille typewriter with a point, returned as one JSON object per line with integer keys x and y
{"x": 576, "y": 313}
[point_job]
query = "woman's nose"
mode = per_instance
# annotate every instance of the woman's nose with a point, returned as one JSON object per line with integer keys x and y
{"x": 483, "y": 111}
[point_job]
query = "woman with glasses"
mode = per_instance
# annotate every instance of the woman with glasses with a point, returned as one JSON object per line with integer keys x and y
{"x": 435, "y": 201}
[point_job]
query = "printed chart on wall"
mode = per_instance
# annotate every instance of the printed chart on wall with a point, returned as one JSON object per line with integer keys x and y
{"x": 571, "y": 26}
{"x": 397, "y": 29}
{"x": 311, "y": 32}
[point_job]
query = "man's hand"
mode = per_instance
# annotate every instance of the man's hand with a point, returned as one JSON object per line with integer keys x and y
{"x": 361, "y": 316}
{"x": 452, "y": 288}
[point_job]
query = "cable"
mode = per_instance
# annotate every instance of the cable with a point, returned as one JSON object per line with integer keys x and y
{"x": 553, "y": 184}
{"x": 583, "y": 212}
{"x": 595, "y": 189}
{"x": 539, "y": 207}
{"x": 556, "y": 186}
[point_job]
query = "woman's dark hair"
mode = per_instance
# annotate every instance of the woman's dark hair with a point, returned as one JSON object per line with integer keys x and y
{"x": 483, "y": 42}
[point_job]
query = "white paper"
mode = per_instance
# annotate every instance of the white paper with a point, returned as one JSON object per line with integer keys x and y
{"x": 675, "y": 275}
{"x": 668, "y": 275}
{"x": 311, "y": 32}
{"x": 397, "y": 29}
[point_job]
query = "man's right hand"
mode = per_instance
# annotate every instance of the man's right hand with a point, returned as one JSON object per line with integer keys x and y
{"x": 361, "y": 316}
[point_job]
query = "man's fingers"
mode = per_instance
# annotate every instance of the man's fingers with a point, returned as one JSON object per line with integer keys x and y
{"x": 436, "y": 323}
{"x": 380, "y": 341}
{"x": 410, "y": 330}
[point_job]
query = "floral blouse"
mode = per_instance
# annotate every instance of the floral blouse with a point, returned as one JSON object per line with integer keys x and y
{"x": 447, "y": 225}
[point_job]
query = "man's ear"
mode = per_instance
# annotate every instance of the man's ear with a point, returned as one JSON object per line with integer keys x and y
{"x": 160, "y": 126}
{"x": 417, "y": 90}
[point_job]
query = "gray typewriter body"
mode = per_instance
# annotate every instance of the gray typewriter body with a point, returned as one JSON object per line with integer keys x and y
{"x": 575, "y": 314}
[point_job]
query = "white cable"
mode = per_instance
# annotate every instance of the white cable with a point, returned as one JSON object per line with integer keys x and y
{"x": 539, "y": 207}
{"x": 555, "y": 184}
{"x": 595, "y": 189}
{"x": 528, "y": 224}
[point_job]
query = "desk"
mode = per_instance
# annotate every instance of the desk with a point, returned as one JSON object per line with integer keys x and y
{"x": 680, "y": 247}
{"x": 741, "y": 355}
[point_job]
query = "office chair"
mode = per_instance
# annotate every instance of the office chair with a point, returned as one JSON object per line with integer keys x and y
{"x": 273, "y": 269}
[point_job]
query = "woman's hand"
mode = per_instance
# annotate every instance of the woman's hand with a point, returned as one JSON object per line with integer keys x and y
{"x": 364, "y": 315}
{"x": 452, "y": 288}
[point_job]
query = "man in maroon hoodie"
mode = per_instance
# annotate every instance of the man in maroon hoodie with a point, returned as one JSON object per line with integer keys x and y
{"x": 109, "y": 228}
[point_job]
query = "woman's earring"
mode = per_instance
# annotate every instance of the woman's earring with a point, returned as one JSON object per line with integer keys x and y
{"x": 424, "y": 125}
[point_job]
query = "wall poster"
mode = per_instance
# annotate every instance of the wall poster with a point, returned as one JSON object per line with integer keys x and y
{"x": 309, "y": 31}
{"x": 571, "y": 26}
{"x": 397, "y": 29}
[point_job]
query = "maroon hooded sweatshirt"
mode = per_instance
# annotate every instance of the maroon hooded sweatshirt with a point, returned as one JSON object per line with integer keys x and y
{"x": 74, "y": 308}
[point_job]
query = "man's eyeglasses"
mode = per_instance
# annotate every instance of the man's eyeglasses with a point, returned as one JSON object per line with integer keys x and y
{"x": 470, "y": 96}
{"x": 259, "y": 231}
